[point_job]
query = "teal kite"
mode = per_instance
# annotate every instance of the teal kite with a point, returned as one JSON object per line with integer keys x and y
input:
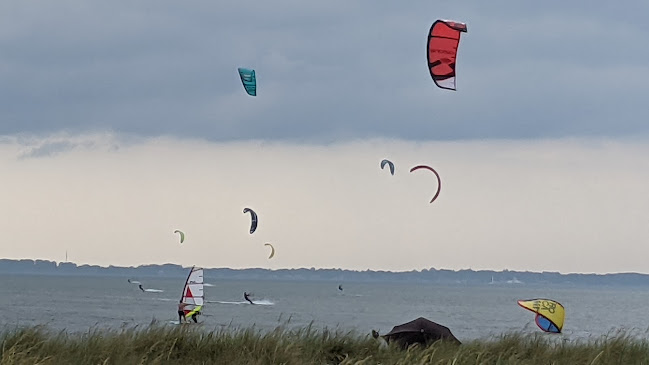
{"x": 248, "y": 80}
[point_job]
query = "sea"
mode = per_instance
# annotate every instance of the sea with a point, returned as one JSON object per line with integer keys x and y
{"x": 81, "y": 304}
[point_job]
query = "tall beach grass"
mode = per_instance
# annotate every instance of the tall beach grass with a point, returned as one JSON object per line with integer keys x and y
{"x": 191, "y": 345}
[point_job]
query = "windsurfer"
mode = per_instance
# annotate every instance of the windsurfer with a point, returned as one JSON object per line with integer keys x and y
{"x": 247, "y": 297}
{"x": 181, "y": 313}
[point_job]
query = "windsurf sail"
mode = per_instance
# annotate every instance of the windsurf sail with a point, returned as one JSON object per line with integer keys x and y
{"x": 193, "y": 292}
{"x": 443, "y": 41}
{"x": 550, "y": 314}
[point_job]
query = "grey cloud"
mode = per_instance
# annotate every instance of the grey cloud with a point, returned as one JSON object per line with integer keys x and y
{"x": 326, "y": 71}
{"x": 35, "y": 147}
{"x": 48, "y": 149}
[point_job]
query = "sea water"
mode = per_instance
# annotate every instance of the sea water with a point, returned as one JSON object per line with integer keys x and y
{"x": 79, "y": 304}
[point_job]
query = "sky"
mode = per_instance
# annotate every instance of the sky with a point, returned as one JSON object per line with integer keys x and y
{"x": 120, "y": 123}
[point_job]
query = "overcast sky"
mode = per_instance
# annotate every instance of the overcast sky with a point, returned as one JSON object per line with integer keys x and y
{"x": 122, "y": 122}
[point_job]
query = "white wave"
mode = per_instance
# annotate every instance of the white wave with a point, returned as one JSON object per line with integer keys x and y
{"x": 134, "y": 282}
{"x": 207, "y": 284}
{"x": 187, "y": 323}
{"x": 263, "y": 302}
{"x": 225, "y": 302}
{"x": 256, "y": 302}
{"x": 153, "y": 290}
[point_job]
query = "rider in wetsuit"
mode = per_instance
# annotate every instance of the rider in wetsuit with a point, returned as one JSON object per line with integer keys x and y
{"x": 246, "y": 296}
{"x": 141, "y": 288}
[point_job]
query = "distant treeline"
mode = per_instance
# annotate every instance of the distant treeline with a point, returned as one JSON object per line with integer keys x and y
{"x": 432, "y": 275}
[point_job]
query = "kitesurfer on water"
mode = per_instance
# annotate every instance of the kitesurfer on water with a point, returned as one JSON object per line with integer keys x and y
{"x": 246, "y": 296}
{"x": 141, "y": 288}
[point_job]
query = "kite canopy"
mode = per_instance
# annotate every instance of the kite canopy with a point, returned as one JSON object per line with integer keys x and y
{"x": 253, "y": 219}
{"x": 443, "y": 41}
{"x": 439, "y": 180}
{"x": 420, "y": 331}
{"x": 248, "y": 80}
{"x": 390, "y": 164}
{"x": 272, "y": 250}
{"x": 550, "y": 314}
{"x": 182, "y": 235}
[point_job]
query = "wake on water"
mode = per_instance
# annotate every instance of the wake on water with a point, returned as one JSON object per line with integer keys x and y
{"x": 257, "y": 302}
{"x": 188, "y": 323}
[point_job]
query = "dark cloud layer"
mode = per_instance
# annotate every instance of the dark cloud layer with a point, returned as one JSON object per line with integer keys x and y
{"x": 326, "y": 70}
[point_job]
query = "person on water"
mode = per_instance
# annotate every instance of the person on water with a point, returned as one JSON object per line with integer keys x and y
{"x": 141, "y": 288}
{"x": 181, "y": 313}
{"x": 194, "y": 317}
{"x": 247, "y": 297}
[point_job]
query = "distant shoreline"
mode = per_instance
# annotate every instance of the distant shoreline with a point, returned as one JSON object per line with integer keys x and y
{"x": 426, "y": 276}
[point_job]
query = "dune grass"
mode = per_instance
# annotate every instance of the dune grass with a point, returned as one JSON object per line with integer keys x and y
{"x": 188, "y": 345}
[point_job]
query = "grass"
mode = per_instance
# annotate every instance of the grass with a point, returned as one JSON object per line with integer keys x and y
{"x": 187, "y": 345}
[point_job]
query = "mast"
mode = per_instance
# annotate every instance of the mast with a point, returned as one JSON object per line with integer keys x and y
{"x": 182, "y": 295}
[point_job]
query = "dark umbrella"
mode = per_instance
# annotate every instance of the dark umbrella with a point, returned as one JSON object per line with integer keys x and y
{"x": 421, "y": 331}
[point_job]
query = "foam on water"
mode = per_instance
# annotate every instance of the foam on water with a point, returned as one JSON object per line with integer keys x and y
{"x": 256, "y": 302}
